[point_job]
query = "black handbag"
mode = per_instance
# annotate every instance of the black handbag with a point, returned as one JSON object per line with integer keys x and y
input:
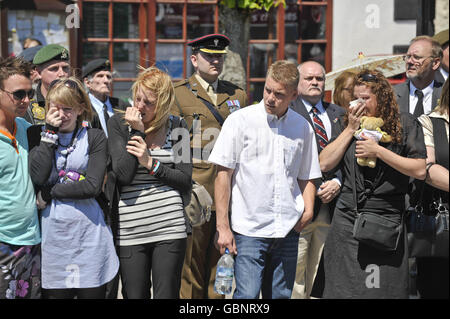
{"x": 374, "y": 229}
{"x": 428, "y": 233}
{"x": 428, "y": 219}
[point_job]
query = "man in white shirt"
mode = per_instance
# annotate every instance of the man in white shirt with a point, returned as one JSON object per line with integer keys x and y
{"x": 97, "y": 77}
{"x": 420, "y": 93}
{"x": 266, "y": 156}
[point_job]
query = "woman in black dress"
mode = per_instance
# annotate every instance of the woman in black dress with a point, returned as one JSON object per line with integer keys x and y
{"x": 354, "y": 269}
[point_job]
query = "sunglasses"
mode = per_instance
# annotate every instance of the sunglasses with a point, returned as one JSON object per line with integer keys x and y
{"x": 67, "y": 83}
{"x": 19, "y": 95}
{"x": 367, "y": 77}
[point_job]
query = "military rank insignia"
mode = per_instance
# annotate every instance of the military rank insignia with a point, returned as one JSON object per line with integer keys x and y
{"x": 38, "y": 111}
{"x": 233, "y": 105}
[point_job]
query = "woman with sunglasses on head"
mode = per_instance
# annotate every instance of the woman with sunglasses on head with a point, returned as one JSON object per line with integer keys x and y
{"x": 153, "y": 186}
{"x": 68, "y": 164}
{"x": 354, "y": 268}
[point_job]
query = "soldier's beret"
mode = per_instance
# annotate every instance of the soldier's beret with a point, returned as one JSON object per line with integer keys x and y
{"x": 28, "y": 54}
{"x": 211, "y": 43}
{"x": 51, "y": 52}
{"x": 441, "y": 37}
{"x": 96, "y": 66}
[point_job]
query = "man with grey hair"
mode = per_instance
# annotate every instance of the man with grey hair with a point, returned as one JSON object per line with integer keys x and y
{"x": 265, "y": 144}
{"x": 420, "y": 93}
{"x": 97, "y": 78}
{"x": 323, "y": 117}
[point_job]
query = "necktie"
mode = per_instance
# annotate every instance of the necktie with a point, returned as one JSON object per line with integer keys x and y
{"x": 321, "y": 133}
{"x": 105, "y": 113}
{"x": 211, "y": 94}
{"x": 418, "y": 111}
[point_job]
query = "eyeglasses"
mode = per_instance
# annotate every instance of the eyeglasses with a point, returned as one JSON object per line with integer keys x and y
{"x": 19, "y": 95}
{"x": 416, "y": 58}
{"x": 368, "y": 77}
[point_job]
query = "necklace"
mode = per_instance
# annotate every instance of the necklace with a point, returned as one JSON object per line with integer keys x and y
{"x": 71, "y": 146}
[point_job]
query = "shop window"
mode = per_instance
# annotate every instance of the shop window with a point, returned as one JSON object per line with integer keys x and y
{"x": 146, "y": 32}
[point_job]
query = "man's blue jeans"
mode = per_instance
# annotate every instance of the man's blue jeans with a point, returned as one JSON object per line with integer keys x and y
{"x": 265, "y": 264}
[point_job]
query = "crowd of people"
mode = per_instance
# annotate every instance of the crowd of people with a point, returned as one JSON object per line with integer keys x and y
{"x": 93, "y": 190}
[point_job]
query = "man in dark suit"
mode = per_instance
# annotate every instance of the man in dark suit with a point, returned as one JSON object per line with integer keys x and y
{"x": 420, "y": 93}
{"x": 323, "y": 117}
{"x": 97, "y": 78}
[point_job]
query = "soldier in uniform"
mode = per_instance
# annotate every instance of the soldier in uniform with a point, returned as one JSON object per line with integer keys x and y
{"x": 97, "y": 78}
{"x": 52, "y": 62}
{"x": 204, "y": 102}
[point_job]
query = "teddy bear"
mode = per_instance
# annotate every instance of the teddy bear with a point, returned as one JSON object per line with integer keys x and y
{"x": 370, "y": 126}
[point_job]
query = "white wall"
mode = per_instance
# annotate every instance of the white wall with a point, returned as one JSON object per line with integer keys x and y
{"x": 367, "y": 26}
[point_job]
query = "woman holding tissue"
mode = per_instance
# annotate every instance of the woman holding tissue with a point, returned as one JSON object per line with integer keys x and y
{"x": 154, "y": 183}
{"x": 67, "y": 164}
{"x": 365, "y": 252}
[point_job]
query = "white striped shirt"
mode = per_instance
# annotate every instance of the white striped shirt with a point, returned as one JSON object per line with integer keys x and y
{"x": 150, "y": 210}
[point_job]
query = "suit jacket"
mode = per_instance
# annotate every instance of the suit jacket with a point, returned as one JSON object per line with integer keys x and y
{"x": 117, "y": 104}
{"x": 190, "y": 98}
{"x": 402, "y": 94}
{"x": 439, "y": 77}
{"x": 334, "y": 113}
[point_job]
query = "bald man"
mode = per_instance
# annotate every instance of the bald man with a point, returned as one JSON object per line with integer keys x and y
{"x": 323, "y": 117}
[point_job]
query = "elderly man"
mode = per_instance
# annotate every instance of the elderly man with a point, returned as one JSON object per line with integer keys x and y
{"x": 442, "y": 39}
{"x": 97, "y": 78}
{"x": 265, "y": 144}
{"x": 205, "y": 101}
{"x": 420, "y": 93}
{"x": 19, "y": 225}
{"x": 323, "y": 117}
{"x": 52, "y": 62}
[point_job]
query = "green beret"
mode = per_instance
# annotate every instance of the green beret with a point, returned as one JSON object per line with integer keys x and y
{"x": 441, "y": 37}
{"x": 51, "y": 52}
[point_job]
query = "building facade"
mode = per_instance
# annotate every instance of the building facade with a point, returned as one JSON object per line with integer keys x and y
{"x": 134, "y": 33}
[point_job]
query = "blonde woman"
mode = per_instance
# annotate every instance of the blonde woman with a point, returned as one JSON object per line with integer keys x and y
{"x": 432, "y": 272}
{"x": 68, "y": 164}
{"x": 153, "y": 185}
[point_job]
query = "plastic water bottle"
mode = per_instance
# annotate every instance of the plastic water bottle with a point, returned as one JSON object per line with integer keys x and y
{"x": 224, "y": 274}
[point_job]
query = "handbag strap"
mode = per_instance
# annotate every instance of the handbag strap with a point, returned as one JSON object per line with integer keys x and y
{"x": 440, "y": 142}
{"x": 355, "y": 198}
{"x": 441, "y": 154}
{"x": 374, "y": 184}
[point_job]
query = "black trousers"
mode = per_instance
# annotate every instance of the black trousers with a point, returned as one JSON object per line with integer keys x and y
{"x": 164, "y": 260}
{"x": 71, "y": 293}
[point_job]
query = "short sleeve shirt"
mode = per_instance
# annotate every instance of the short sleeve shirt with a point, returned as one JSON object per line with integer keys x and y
{"x": 19, "y": 223}
{"x": 269, "y": 155}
